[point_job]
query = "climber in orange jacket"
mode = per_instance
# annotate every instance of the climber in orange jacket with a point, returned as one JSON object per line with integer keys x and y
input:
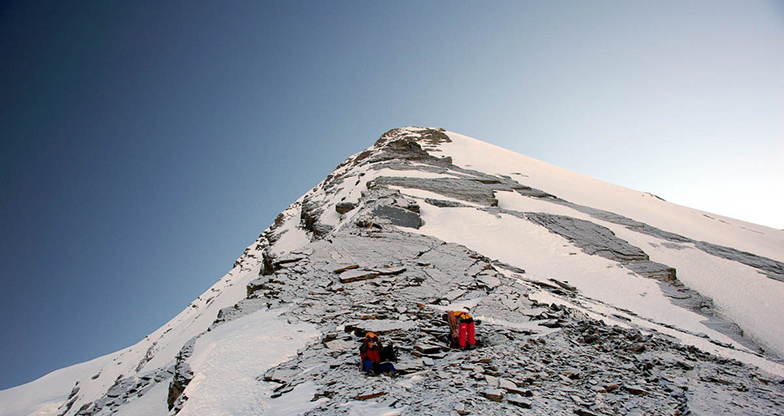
{"x": 461, "y": 327}
{"x": 371, "y": 353}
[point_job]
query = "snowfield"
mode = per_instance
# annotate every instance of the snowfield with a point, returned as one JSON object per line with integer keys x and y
{"x": 741, "y": 293}
{"x": 593, "y": 298}
{"x": 235, "y": 354}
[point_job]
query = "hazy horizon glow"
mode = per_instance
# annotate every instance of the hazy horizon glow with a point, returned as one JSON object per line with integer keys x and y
{"x": 146, "y": 144}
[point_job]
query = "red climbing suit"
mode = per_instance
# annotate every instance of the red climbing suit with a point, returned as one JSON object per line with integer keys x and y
{"x": 371, "y": 353}
{"x": 368, "y": 352}
{"x": 461, "y": 325}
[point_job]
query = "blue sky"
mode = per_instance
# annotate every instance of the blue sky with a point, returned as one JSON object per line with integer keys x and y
{"x": 146, "y": 144}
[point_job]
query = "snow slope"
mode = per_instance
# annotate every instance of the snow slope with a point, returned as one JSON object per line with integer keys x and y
{"x": 426, "y": 186}
{"x": 234, "y": 354}
{"x": 741, "y": 293}
{"x": 641, "y": 206}
{"x": 45, "y": 395}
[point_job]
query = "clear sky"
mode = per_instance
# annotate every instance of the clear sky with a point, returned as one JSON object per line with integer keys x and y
{"x": 146, "y": 144}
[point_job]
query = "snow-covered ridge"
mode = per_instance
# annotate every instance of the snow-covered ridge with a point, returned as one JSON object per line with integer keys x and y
{"x": 641, "y": 206}
{"x": 758, "y": 314}
{"x": 426, "y": 220}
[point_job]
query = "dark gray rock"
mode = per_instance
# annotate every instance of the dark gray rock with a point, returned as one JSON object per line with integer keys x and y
{"x": 398, "y": 216}
{"x": 310, "y": 213}
{"x": 344, "y": 207}
{"x": 182, "y": 376}
{"x": 358, "y": 275}
{"x": 652, "y": 270}
{"x": 464, "y": 189}
{"x": 771, "y": 268}
{"x": 635, "y": 389}
{"x": 519, "y": 401}
{"x": 443, "y": 203}
{"x": 590, "y": 237}
{"x": 495, "y": 395}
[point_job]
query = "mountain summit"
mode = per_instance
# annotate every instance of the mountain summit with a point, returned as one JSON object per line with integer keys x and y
{"x": 590, "y": 299}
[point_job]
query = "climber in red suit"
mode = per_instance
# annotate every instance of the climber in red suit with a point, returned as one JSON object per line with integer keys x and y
{"x": 371, "y": 354}
{"x": 461, "y": 326}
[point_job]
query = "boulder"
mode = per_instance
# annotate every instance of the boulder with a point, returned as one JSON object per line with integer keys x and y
{"x": 344, "y": 207}
{"x": 635, "y": 389}
{"x": 343, "y": 269}
{"x": 489, "y": 280}
{"x": 519, "y": 401}
{"x": 493, "y": 394}
{"x": 398, "y": 216}
{"x": 357, "y": 275}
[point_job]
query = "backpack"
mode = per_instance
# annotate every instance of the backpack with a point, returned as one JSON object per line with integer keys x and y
{"x": 388, "y": 353}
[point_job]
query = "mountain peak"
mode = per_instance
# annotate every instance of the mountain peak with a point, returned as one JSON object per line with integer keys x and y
{"x": 422, "y": 135}
{"x": 589, "y": 299}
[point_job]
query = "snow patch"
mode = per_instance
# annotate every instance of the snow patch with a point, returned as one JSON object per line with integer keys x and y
{"x": 45, "y": 395}
{"x": 228, "y": 363}
{"x": 295, "y": 402}
{"x": 153, "y": 403}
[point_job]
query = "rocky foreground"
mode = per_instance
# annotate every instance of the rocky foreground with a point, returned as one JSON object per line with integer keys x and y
{"x": 535, "y": 358}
